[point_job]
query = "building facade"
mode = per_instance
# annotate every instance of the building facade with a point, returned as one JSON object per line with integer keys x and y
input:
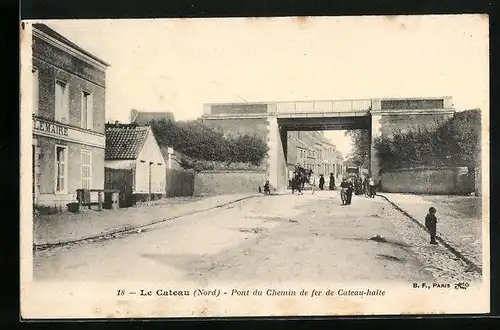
{"x": 134, "y": 149}
{"x": 313, "y": 151}
{"x": 68, "y": 114}
{"x": 323, "y": 156}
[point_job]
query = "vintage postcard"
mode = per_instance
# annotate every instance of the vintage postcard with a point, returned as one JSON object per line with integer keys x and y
{"x": 293, "y": 166}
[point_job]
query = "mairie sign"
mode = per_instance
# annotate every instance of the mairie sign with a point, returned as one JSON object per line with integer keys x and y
{"x": 67, "y": 133}
{"x": 45, "y": 126}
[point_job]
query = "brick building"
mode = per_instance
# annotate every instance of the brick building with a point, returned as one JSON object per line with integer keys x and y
{"x": 68, "y": 119}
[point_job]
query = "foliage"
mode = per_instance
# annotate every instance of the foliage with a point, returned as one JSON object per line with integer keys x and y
{"x": 203, "y": 143}
{"x": 361, "y": 146}
{"x": 455, "y": 142}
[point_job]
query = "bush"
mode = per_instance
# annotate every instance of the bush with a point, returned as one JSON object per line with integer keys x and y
{"x": 201, "y": 142}
{"x": 456, "y": 142}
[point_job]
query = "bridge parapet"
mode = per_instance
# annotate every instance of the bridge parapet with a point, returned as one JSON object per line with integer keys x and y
{"x": 324, "y": 108}
{"x": 360, "y": 105}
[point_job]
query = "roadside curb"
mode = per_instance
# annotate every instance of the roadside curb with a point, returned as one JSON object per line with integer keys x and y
{"x": 127, "y": 230}
{"x": 457, "y": 253}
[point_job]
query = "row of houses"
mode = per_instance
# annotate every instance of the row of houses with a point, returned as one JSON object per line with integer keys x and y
{"x": 312, "y": 150}
{"x": 73, "y": 148}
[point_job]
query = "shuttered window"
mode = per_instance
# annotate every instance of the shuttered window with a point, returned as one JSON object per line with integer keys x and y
{"x": 86, "y": 169}
{"x": 61, "y": 102}
{"x": 87, "y": 113}
{"x": 61, "y": 169}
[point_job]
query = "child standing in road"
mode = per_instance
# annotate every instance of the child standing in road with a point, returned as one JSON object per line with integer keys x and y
{"x": 371, "y": 187}
{"x": 431, "y": 224}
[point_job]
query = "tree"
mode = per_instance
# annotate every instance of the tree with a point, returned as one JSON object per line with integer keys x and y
{"x": 201, "y": 142}
{"x": 465, "y": 145}
{"x": 456, "y": 142}
{"x": 361, "y": 145}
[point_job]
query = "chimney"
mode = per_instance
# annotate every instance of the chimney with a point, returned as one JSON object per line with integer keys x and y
{"x": 133, "y": 115}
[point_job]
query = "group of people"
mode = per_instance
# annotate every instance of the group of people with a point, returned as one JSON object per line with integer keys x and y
{"x": 331, "y": 184}
{"x": 300, "y": 176}
{"x": 349, "y": 185}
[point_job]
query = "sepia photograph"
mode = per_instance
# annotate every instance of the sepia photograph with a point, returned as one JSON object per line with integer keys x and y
{"x": 286, "y": 166}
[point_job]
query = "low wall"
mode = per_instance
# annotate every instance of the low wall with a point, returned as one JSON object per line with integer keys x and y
{"x": 439, "y": 180}
{"x": 228, "y": 182}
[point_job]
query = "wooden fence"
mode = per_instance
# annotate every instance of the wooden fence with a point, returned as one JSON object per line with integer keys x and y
{"x": 179, "y": 183}
{"x": 122, "y": 180}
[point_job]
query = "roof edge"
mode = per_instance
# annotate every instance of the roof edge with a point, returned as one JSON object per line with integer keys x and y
{"x": 50, "y": 34}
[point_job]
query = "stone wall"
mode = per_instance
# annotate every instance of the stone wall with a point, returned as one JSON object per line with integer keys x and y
{"x": 439, "y": 180}
{"x": 238, "y": 108}
{"x": 208, "y": 183}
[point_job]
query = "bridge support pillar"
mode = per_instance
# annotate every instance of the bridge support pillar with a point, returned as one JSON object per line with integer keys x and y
{"x": 276, "y": 172}
{"x": 376, "y": 131}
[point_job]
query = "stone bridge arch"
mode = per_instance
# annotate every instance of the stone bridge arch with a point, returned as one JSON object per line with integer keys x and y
{"x": 272, "y": 121}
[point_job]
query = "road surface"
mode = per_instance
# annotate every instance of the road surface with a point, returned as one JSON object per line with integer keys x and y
{"x": 269, "y": 238}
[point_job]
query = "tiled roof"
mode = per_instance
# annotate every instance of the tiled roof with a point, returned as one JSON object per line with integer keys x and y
{"x": 124, "y": 142}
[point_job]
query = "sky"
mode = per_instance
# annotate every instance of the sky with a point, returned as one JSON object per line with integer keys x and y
{"x": 178, "y": 65}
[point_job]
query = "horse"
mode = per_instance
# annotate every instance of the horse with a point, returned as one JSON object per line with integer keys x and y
{"x": 299, "y": 179}
{"x": 307, "y": 177}
{"x": 296, "y": 184}
{"x": 303, "y": 176}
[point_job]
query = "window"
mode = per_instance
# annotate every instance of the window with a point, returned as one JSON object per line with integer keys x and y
{"x": 87, "y": 111}
{"x": 61, "y": 169}
{"x": 86, "y": 169}
{"x": 34, "y": 74}
{"x": 62, "y": 102}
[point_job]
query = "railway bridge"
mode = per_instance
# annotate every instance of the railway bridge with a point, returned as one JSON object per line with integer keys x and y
{"x": 272, "y": 121}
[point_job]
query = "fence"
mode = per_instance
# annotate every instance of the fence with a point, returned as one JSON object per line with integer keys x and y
{"x": 120, "y": 179}
{"x": 179, "y": 183}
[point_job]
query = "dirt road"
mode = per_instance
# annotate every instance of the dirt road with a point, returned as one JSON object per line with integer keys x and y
{"x": 269, "y": 238}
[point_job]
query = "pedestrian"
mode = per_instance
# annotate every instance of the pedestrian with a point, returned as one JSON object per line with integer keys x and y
{"x": 343, "y": 191}
{"x": 350, "y": 189}
{"x": 312, "y": 183}
{"x": 371, "y": 185}
{"x": 331, "y": 184}
{"x": 431, "y": 224}
{"x": 321, "y": 181}
{"x": 300, "y": 182}
{"x": 267, "y": 188}
{"x": 365, "y": 186}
